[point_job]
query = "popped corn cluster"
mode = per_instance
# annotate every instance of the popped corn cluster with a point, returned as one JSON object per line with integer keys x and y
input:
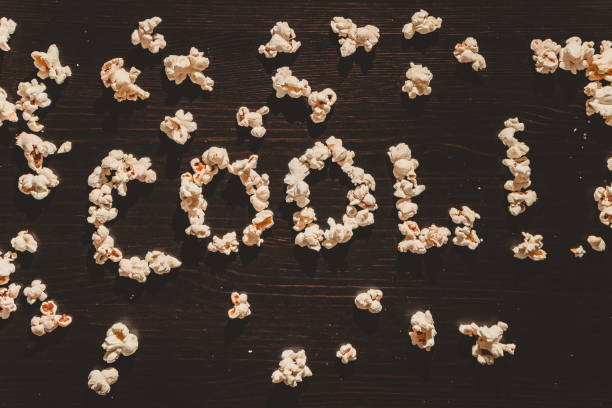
{"x": 423, "y": 330}
{"x": 7, "y": 300}
{"x": 488, "y": 346}
{"x": 292, "y": 368}
{"x": 7, "y": 28}
{"x": 416, "y": 240}
{"x": 321, "y": 104}
{"x": 284, "y": 83}
{"x": 33, "y": 96}
{"x": 252, "y": 119}
{"x": 123, "y": 82}
{"x": 352, "y": 36}
{"x": 24, "y": 241}
{"x": 421, "y": 22}
{"x": 418, "y": 79}
{"x": 518, "y": 165}
{"x": 241, "y": 308}
{"x": 119, "y": 342}
{"x": 7, "y": 109}
{"x": 36, "y": 291}
{"x": 49, "y": 65}
{"x": 179, "y": 126}
{"x": 100, "y": 381}
{"x": 545, "y": 55}
{"x": 466, "y": 235}
{"x": 467, "y": 52}
{"x": 311, "y": 235}
{"x": 49, "y": 319}
{"x": 282, "y": 40}
{"x": 603, "y": 198}
{"x": 370, "y": 301}
{"x": 531, "y": 248}
{"x": 178, "y": 67}
{"x": 144, "y": 36}
{"x": 346, "y": 353}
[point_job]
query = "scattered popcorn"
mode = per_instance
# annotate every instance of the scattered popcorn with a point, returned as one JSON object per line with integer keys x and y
{"x": 34, "y": 149}
{"x": 578, "y": 251}
{"x": 488, "y": 347}
{"x": 7, "y": 300}
{"x": 179, "y": 127}
{"x": 597, "y": 243}
{"x": 65, "y": 147}
{"x": 423, "y": 330}
{"x": 38, "y": 186}
{"x": 466, "y": 235}
{"x": 575, "y": 56}
{"x": 7, "y": 109}
{"x": 178, "y": 67}
{"x": 241, "y": 308}
{"x": 50, "y": 320}
{"x": 161, "y": 263}
{"x": 225, "y": 245}
{"x": 7, "y": 28}
{"x": 144, "y": 36}
{"x": 346, "y": 353}
{"x": 7, "y": 267}
{"x": 36, "y": 291}
{"x": 467, "y": 52}
{"x": 321, "y": 104}
{"x": 600, "y": 101}
{"x": 369, "y": 301}
{"x": 114, "y": 76}
{"x": 254, "y": 120}
{"x": 282, "y": 40}
{"x": 100, "y": 381}
{"x": 119, "y": 341}
{"x": 352, "y": 36}
{"x": 530, "y": 248}
{"x": 24, "y": 241}
{"x": 422, "y": 23}
{"x": 33, "y": 96}
{"x": 603, "y": 197}
{"x": 134, "y": 268}
{"x": 418, "y": 81}
{"x": 292, "y": 368}
{"x": 49, "y": 66}
{"x": 545, "y": 55}
{"x": 600, "y": 66}
{"x": 284, "y": 83}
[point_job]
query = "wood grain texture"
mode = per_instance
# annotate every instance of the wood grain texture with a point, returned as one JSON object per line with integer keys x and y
{"x": 559, "y": 311}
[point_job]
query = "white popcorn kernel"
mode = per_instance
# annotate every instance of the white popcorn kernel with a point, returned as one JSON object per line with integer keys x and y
{"x": 7, "y": 267}
{"x": 370, "y": 301}
{"x": 33, "y": 96}
{"x": 346, "y": 353}
{"x": 179, "y": 127}
{"x": 123, "y": 82}
{"x": 49, "y": 320}
{"x": 362, "y": 197}
{"x": 321, "y": 104}
{"x": 465, "y": 216}
{"x": 423, "y": 330}
{"x": 467, "y": 52}
{"x": 609, "y": 163}
{"x": 178, "y": 67}
{"x": 359, "y": 176}
{"x": 603, "y": 197}
{"x": 34, "y": 149}
{"x": 7, "y": 109}
{"x": 434, "y": 236}
{"x": 488, "y": 346}
{"x": 466, "y": 235}
{"x": 336, "y": 234}
{"x": 134, "y": 268}
{"x": 531, "y": 248}
{"x": 303, "y": 218}
{"x": 100, "y": 216}
{"x": 7, "y": 300}
{"x": 282, "y": 40}
{"x": 575, "y": 56}
{"x": 421, "y": 22}
{"x": 352, "y": 36}
{"x": 100, "y": 381}
{"x": 339, "y": 154}
{"x": 104, "y": 246}
{"x": 225, "y": 245}
{"x": 36, "y": 291}
{"x": 520, "y": 200}
{"x": 506, "y": 135}
{"x": 418, "y": 79}
{"x": 545, "y": 55}
{"x": 597, "y": 243}
{"x": 354, "y": 218}
{"x": 241, "y": 308}
{"x": 161, "y": 263}
{"x": 49, "y": 66}
{"x": 38, "y": 186}
{"x": 7, "y": 28}
{"x": 263, "y": 220}
{"x": 600, "y": 100}
{"x": 144, "y": 36}
{"x": 310, "y": 237}
{"x": 65, "y": 147}
{"x": 216, "y": 156}
{"x": 600, "y": 66}
{"x": 292, "y": 368}
{"x": 578, "y": 252}
{"x": 24, "y": 241}
{"x": 284, "y": 83}
{"x": 119, "y": 342}
{"x": 252, "y": 119}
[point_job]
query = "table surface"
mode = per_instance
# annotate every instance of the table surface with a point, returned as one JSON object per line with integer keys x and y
{"x": 559, "y": 311}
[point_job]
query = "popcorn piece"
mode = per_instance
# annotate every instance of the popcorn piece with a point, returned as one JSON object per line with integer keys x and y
{"x": 600, "y": 100}
{"x": 7, "y": 28}
{"x": 578, "y": 251}
{"x": 99, "y": 216}
{"x": 254, "y": 120}
{"x": 49, "y": 66}
{"x": 178, "y": 67}
{"x": 434, "y": 236}
{"x": 339, "y": 154}
{"x": 467, "y": 52}
{"x": 530, "y": 248}
{"x": 144, "y": 36}
{"x": 310, "y": 238}
{"x": 488, "y": 346}
{"x": 298, "y": 190}
{"x": 609, "y": 163}
{"x": 7, "y": 267}
{"x": 423, "y": 330}
{"x": 422, "y": 23}
{"x": 119, "y": 341}
{"x": 545, "y": 55}
{"x": 336, "y": 234}
{"x": 466, "y": 235}
{"x": 520, "y": 200}
{"x": 123, "y": 82}
{"x": 36, "y": 291}
{"x": 284, "y": 83}
{"x": 134, "y": 268}
{"x": 216, "y": 156}
{"x": 352, "y": 36}
{"x": 161, "y": 263}
{"x": 303, "y": 218}
{"x": 100, "y": 381}
{"x": 321, "y": 104}
{"x": 7, "y": 300}
{"x": 34, "y": 149}
{"x": 346, "y": 353}
{"x": 179, "y": 127}
{"x": 104, "y": 246}
{"x": 465, "y": 216}
{"x": 603, "y": 197}
{"x": 225, "y": 245}
{"x": 38, "y": 186}
{"x": 600, "y": 66}
{"x": 354, "y": 218}
{"x": 33, "y": 96}
{"x": 119, "y": 168}
{"x": 251, "y": 235}
{"x": 314, "y": 157}
{"x": 65, "y": 147}
{"x": 292, "y": 368}
{"x": 24, "y": 241}
{"x": 283, "y": 40}
{"x": 369, "y": 301}
{"x": 597, "y": 243}
{"x": 50, "y": 320}
{"x": 418, "y": 81}
{"x": 575, "y": 56}
{"x": 7, "y": 109}
{"x": 241, "y": 308}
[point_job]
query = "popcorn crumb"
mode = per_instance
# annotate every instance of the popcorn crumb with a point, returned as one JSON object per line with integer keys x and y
{"x": 292, "y": 368}
{"x": 578, "y": 251}
{"x": 467, "y": 52}
{"x": 575, "y": 56}
{"x": 530, "y": 248}
{"x": 423, "y": 330}
{"x": 24, "y": 241}
{"x": 241, "y": 308}
{"x": 7, "y": 300}
{"x": 284, "y": 83}
{"x": 123, "y": 82}
{"x": 418, "y": 81}
{"x": 144, "y": 36}
{"x": 346, "y": 353}
{"x": 119, "y": 341}
{"x": 600, "y": 66}
{"x": 33, "y": 96}
{"x": 179, "y": 127}
{"x": 252, "y": 119}
{"x": 600, "y": 100}
{"x": 7, "y": 267}
{"x": 370, "y": 301}
{"x": 421, "y": 22}
{"x": 282, "y": 40}
{"x": 352, "y": 36}
{"x": 178, "y": 67}
{"x": 488, "y": 347}
{"x": 36, "y": 291}
{"x": 7, "y": 109}
{"x": 49, "y": 66}
{"x": 65, "y": 147}
{"x": 321, "y": 104}
{"x": 100, "y": 381}
{"x": 7, "y": 28}
{"x": 49, "y": 320}
{"x": 597, "y": 243}
{"x": 545, "y": 55}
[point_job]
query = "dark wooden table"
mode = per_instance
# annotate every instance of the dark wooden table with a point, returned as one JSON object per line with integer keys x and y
{"x": 559, "y": 311}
